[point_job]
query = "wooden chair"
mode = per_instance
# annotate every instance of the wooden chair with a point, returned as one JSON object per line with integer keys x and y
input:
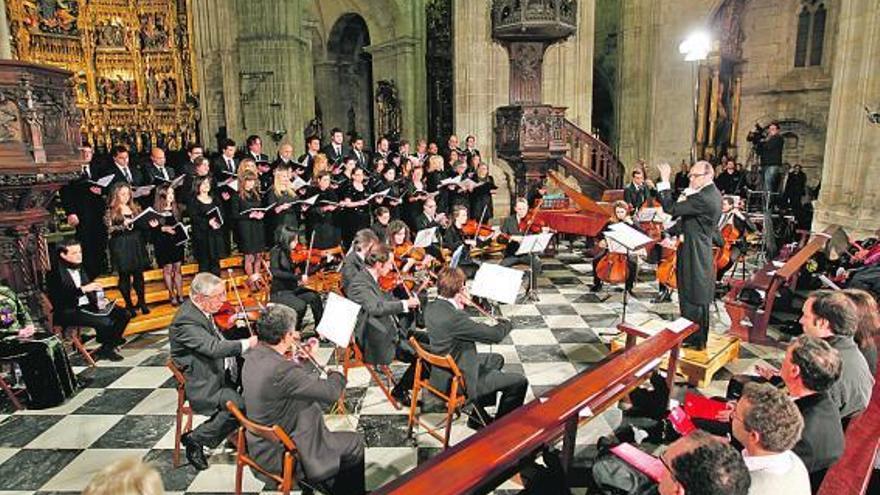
{"x": 73, "y": 336}
{"x": 353, "y": 357}
{"x": 455, "y": 399}
{"x": 272, "y": 433}
{"x": 183, "y": 409}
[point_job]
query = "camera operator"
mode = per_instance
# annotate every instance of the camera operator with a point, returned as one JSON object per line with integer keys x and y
{"x": 770, "y": 149}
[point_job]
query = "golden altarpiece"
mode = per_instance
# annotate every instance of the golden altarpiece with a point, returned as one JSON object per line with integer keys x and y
{"x": 132, "y": 62}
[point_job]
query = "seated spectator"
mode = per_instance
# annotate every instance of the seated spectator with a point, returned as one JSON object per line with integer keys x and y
{"x": 767, "y": 423}
{"x": 290, "y": 394}
{"x": 129, "y": 476}
{"x": 810, "y": 368}
{"x": 701, "y": 464}
{"x": 833, "y": 317}
{"x": 868, "y": 327}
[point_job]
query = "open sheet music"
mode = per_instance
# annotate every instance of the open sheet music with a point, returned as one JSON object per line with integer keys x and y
{"x": 339, "y": 319}
{"x": 622, "y": 238}
{"x": 425, "y": 237}
{"x": 497, "y": 283}
{"x": 536, "y": 243}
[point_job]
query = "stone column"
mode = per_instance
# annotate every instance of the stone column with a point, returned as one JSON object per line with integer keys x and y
{"x": 403, "y": 59}
{"x": 568, "y": 70}
{"x": 850, "y": 196}
{"x": 5, "y": 42}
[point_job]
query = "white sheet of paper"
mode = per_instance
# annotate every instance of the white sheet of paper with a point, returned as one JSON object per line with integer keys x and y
{"x": 104, "y": 181}
{"x": 340, "y": 317}
{"x": 586, "y": 412}
{"x": 298, "y": 183}
{"x": 678, "y": 325}
{"x": 425, "y": 237}
{"x": 778, "y": 264}
{"x": 380, "y": 194}
{"x": 451, "y": 180}
{"x": 497, "y": 283}
{"x": 536, "y": 243}
{"x": 310, "y": 201}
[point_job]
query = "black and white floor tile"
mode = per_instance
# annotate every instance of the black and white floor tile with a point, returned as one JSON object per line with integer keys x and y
{"x": 127, "y": 408}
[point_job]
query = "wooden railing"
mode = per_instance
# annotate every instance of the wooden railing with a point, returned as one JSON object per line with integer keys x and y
{"x": 589, "y": 159}
{"x": 486, "y": 459}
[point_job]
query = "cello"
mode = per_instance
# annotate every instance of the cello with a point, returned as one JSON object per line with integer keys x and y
{"x": 666, "y": 267}
{"x": 721, "y": 256}
{"x": 614, "y": 268}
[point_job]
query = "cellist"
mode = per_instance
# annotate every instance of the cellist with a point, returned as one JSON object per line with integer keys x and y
{"x": 515, "y": 226}
{"x": 621, "y": 214}
{"x": 733, "y": 226}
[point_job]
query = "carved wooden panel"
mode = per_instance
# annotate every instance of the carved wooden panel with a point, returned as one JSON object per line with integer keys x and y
{"x": 131, "y": 60}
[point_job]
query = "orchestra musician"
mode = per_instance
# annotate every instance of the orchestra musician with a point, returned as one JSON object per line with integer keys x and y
{"x": 353, "y": 263}
{"x": 698, "y": 211}
{"x": 451, "y": 331}
{"x": 454, "y": 238}
{"x": 207, "y": 360}
{"x": 514, "y": 226}
{"x": 287, "y": 278}
{"x": 621, "y": 214}
{"x": 290, "y": 393}
{"x": 732, "y": 223}
{"x": 639, "y": 191}
{"x": 378, "y": 332}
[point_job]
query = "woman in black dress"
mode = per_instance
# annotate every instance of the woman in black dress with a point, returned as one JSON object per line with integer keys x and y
{"x": 356, "y": 215}
{"x": 481, "y": 194}
{"x": 282, "y": 195}
{"x": 395, "y": 192}
{"x": 320, "y": 218}
{"x": 287, "y": 279}
{"x": 458, "y": 193}
{"x": 435, "y": 174}
{"x": 249, "y": 223}
{"x": 206, "y": 222}
{"x": 414, "y": 195}
{"x": 128, "y": 251}
{"x": 169, "y": 250}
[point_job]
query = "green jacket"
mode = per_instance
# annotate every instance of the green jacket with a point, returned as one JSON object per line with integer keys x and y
{"x": 22, "y": 317}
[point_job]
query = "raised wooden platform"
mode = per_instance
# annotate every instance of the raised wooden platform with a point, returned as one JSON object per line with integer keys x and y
{"x": 699, "y": 366}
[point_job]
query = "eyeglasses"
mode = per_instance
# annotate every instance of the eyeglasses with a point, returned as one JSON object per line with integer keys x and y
{"x": 698, "y": 175}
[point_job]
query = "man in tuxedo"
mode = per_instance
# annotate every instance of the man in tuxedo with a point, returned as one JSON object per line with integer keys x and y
{"x": 421, "y": 153}
{"x": 307, "y": 159}
{"x": 290, "y": 393}
{"x": 698, "y": 211}
{"x": 810, "y": 368}
{"x": 451, "y": 145}
{"x": 378, "y": 332}
{"x": 383, "y": 150}
{"x": 225, "y": 165}
{"x": 335, "y": 151}
{"x": 84, "y": 205}
{"x": 357, "y": 150}
{"x": 255, "y": 149}
{"x": 121, "y": 169}
{"x": 156, "y": 172}
{"x": 470, "y": 148}
{"x": 193, "y": 151}
{"x": 76, "y": 300}
{"x": 353, "y": 263}
{"x": 208, "y": 360}
{"x": 451, "y": 331}
{"x": 511, "y": 227}
{"x": 285, "y": 156}
{"x": 639, "y": 191}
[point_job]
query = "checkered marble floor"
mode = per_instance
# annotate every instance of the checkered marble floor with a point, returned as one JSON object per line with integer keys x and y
{"x": 127, "y": 408}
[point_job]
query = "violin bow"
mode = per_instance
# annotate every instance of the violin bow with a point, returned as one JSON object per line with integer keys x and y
{"x": 534, "y": 216}
{"x": 309, "y": 253}
{"x": 480, "y": 223}
{"x": 238, "y": 300}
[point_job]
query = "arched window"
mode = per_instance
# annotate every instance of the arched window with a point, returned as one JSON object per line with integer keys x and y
{"x": 810, "y": 41}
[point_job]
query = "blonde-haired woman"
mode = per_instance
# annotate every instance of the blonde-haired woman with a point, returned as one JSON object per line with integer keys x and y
{"x": 320, "y": 164}
{"x": 248, "y": 223}
{"x": 128, "y": 251}
{"x": 129, "y": 476}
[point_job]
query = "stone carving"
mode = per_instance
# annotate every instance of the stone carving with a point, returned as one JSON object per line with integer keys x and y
{"x": 154, "y": 32}
{"x": 53, "y": 16}
{"x": 526, "y": 59}
{"x": 388, "y": 117}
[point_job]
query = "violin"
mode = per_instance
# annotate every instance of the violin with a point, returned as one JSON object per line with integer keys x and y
{"x": 230, "y": 317}
{"x": 324, "y": 282}
{"x": 406, "y": 250}
{"x": 472, "y": 228}
{"x": 666, "y": 267}
{"x": 394, "y": 279}
{"x": 721, "y": 257}
{"x": 530, "y": 223}
{"x": 301, "y": 254}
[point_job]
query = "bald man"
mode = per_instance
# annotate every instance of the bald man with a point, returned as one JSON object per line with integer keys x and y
{"x": 285, "y": 155}
{"x": 697, "y": 211}
{"x": 157, "y": 172}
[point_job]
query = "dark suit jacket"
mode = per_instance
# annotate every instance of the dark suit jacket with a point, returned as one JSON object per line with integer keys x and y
{"x": 377, "y": 331}
{"x": 137, "y": 176}
{"x": 363, "y": 160}
{"x": 262, "y": 157}
{"x": 352, "y": 264}
{"x": 199, "y": 351}
{"x": 332, "y": 155}
{"x": 453, "y": 332}
{"x": 636, "y": 197}
{"x": 284, "y": 393}
{"x": 821, "y": 442}
{"x": 64, "y": 294}
{"x": 698, "y": 216}
{"x": 423, "y": 222}
{"x": 152, "y": 174}
{"x": 78, "y": 199}
{"x": 220, "y": 170}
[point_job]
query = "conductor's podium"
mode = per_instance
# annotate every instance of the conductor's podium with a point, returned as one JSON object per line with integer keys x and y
{"x": 697, "y": 366}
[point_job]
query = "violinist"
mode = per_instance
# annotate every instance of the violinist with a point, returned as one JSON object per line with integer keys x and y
{"x": 621, "y": 214}
{"x": 515, "y": 227}
{"x": 455, "y": 238}
{"x": 639, "y": 191}
{"x": 288, "y": 277}
{"x": 405, "y": 254}
{"x": 320, "y": 217}
{"x": 481, "y": 194}
{"x": 733, "y": 226}
{"x": 382, "y": 217}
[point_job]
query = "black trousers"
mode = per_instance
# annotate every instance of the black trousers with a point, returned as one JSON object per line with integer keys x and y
{"x": 299, "y": 300}
{"x": 492, "y": 380}
{"x": 349, "y": 480}
{"x": 93, "y": 238}
{"x": 221, "y": 423}
{"x": 109, "y": 328}
{"x": 46, "y": 371}
{"x": 699, "y": 314}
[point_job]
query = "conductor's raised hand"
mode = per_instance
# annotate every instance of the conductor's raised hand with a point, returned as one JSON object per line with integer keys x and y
{"x": 665, "y": 171}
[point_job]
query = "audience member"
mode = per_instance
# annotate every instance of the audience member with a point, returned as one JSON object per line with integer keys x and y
{"x": 701, "y": 464}
{"x": 868, "y": 327}
{"x": 129, "y": 476}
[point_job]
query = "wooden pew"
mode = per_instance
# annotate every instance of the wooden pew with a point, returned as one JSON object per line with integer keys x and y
{"x": 750, "y": 322}
{"x": 487, "y": 458}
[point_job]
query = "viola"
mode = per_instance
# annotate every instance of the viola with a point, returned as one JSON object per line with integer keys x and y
{"x": 721, "y": 257}
{"x": 613, "y": 268}
{"x": 228, "y": 316}
{"x": 666, "y": 267}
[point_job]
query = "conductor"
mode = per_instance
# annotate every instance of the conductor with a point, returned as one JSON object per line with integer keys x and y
{"x": 697, "y": 210}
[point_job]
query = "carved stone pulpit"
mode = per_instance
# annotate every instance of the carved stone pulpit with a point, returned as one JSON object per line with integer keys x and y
{"x": 528, "y": 134}
{"x": 39, "y": 152}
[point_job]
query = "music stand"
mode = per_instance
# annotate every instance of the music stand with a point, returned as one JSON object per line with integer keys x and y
{"x": 533, "y": 245}
{"x": 630, "y": 240}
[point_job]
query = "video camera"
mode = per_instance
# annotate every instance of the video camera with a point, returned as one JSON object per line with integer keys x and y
{"x": 757, "y": 134}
